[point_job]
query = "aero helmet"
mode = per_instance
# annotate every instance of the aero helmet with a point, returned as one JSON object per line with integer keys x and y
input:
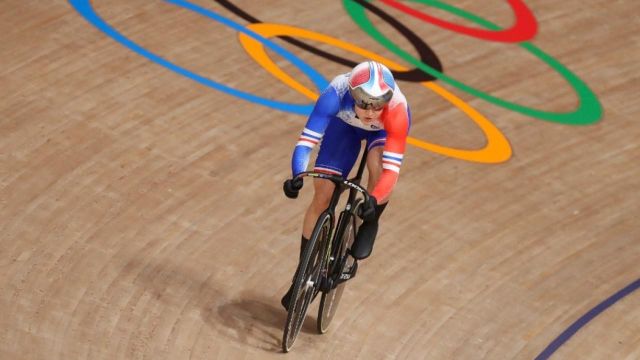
{"x": 371, "y": 85}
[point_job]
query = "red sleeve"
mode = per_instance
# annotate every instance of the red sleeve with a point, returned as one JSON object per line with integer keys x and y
{"x": 396, "y": 124}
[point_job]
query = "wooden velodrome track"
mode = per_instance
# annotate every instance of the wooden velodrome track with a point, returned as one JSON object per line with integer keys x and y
{"x": 142, "y": 216}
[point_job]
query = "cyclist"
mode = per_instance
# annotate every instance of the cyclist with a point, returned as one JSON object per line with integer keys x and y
{"x": 364, "y": 104}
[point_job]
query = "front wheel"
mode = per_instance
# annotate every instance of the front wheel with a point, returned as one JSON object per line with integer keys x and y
{"x": 341, "y": 262}
{"x": 307, "y": 280}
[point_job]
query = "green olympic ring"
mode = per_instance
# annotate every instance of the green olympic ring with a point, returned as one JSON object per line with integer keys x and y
{"x": 589, "y": 110}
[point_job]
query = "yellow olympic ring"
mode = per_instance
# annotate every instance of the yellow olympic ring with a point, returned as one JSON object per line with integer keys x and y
{"x": 497, "y": 148}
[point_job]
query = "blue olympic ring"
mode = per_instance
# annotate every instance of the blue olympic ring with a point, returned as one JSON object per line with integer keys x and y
{"x": 85, "y": 8}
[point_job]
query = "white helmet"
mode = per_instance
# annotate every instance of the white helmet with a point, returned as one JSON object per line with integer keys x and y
{"x": 371, "y": 85}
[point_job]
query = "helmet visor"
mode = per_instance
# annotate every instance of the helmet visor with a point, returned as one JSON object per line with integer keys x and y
{"x": 366, "y": 101}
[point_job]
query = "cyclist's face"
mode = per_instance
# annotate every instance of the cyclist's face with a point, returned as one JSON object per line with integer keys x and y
{"x": 368, "y": 115}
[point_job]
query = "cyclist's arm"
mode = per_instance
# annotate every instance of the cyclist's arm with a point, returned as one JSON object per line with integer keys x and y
{"x": 325, "y": 108}
{"x": 397, "y": 128}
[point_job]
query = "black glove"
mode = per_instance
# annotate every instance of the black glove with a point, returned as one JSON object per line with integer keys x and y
{"x": 291, "y": 187}
{"x": 368, "y": 209}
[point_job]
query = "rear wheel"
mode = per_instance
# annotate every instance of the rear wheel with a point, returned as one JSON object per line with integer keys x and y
{"x": 341, "y": 262}
{"x": 307, "y": 280}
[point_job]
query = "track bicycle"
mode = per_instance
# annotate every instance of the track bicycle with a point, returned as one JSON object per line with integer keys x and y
{"x": 326, "y": 265}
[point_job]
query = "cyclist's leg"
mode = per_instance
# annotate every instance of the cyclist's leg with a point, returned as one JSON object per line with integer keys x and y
{"x": 322, "y": 191}
{"x": 287, "y": 296}
{"x": 374, "y": 167}
{"x": 363, "y": 244}
{"x": 338, "y": 152}
{"x": 374, "y": 164}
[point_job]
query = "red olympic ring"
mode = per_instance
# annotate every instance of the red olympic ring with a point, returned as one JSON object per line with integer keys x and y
{"x": 524, "y": 29}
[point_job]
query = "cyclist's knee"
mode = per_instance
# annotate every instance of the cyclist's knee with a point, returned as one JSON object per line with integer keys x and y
{"x": 323, "y": 190}
{"x": 374, "y": 164}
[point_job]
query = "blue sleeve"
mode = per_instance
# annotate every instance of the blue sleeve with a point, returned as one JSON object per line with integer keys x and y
{"x": 325, "y": 109}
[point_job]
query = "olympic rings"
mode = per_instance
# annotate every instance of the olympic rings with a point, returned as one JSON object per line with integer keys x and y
{"x": 589, "y": 109}
{"x": 427, "y": 55}
{"x": 524, "y": 29}
{"x": 85, "y": 9}
{"x": 497, "y": 149}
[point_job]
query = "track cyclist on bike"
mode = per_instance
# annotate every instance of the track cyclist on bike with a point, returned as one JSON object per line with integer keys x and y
{"x": 365, "y": 104}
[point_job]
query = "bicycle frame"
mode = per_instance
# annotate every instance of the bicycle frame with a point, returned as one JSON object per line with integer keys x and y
{"x": 341, "y": 184}
{"x": 313, "y": 274}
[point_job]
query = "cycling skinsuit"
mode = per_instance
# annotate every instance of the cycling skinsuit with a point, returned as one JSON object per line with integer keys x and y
{"x": 333, "y": 121}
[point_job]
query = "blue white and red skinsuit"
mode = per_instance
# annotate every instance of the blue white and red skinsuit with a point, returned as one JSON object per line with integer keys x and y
{"x": 333, "y": 121}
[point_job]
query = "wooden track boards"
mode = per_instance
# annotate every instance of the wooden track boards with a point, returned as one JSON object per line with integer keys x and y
{"x": 141, "y": 214}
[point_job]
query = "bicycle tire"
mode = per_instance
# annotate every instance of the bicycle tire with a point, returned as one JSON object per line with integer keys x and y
{"x": 307, "y": 280}
{"x": 330, "y": 299}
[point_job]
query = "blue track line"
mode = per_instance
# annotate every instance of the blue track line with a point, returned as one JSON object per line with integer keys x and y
{"x": 582, "y": 321}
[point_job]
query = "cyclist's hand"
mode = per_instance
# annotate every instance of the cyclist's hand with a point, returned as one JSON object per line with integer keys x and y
{"x": 368, "y": 209}
{"x": 291, "y": 187}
